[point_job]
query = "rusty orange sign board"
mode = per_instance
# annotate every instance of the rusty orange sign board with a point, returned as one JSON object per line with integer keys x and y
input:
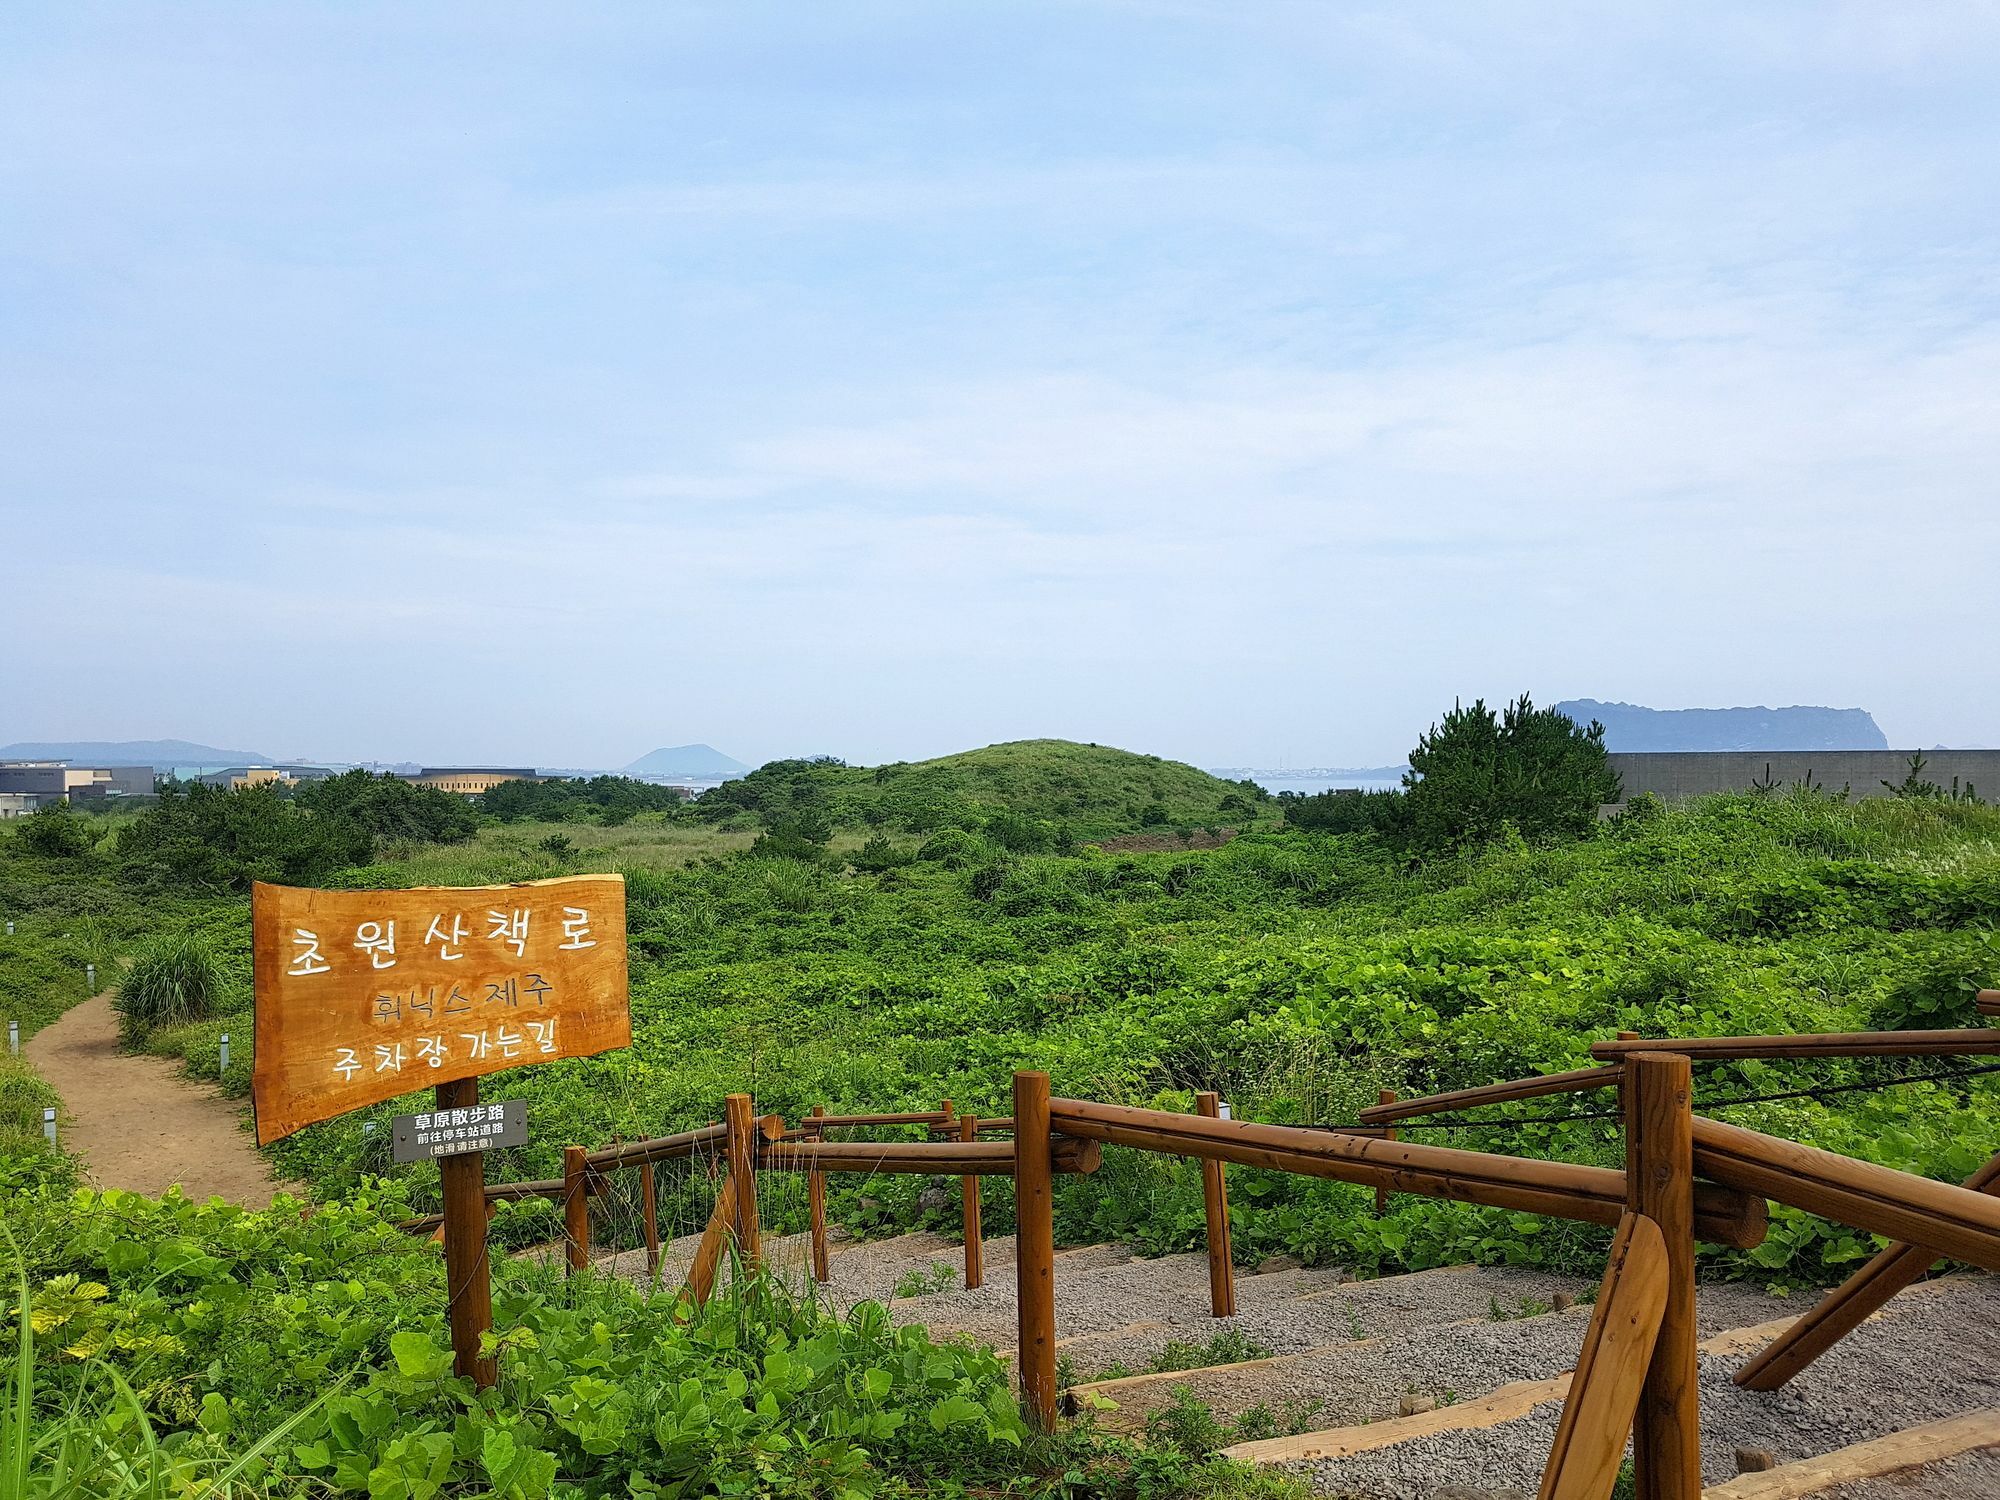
{"x": 365, "y": 995}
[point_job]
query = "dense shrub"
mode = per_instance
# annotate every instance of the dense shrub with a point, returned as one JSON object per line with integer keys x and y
{"x": 1534, "y": 769}
{"x": 388, "y": 807}
{"x": 220, "y": 840}
{"x": 175, "y": 981}
{"x": 55, "y": 832}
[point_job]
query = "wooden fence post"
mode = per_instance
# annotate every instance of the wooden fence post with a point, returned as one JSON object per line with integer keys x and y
{"x": 968, "y": 1192}
{"x": 816, "y": 1202}
{"x": 576, "y": 1207}
{"x": 1387, "y": 1096}
{"x": 467, "y": 1275}
{"x": 1035, "y": 1249}
{"x": 1659, "y": 1165}
{"x": 649, "y": 1206}
{"x": 743, "y": 1172}
{"x": 1215, "y": 1198}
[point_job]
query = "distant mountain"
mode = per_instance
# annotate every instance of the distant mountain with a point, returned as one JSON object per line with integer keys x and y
{"x": 1628, "y": 726}
{"x": 156, "y": 753}
{"x": 697, "y": 762}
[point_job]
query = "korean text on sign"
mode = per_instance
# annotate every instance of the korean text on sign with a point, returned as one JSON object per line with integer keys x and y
{"x": 363, "y": 995}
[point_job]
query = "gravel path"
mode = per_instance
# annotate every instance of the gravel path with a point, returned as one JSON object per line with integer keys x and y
{"x": 1935, "y": 1353}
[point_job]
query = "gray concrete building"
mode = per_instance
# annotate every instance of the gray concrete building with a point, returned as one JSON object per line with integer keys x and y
{"x": 59, "y": 781}
{"x": 1675, "y": 774}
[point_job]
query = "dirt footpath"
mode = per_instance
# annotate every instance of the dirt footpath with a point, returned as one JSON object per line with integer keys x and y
{"x": 138, "y": 1123}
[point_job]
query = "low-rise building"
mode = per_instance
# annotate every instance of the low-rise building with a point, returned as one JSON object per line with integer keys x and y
{"x": 469, "y": 781}
{"x": 59, "y": 781}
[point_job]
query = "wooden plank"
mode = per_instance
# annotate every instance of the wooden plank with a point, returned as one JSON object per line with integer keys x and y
{"x": 1390, "y": 1108}
{"x": 1988, "y": 1002}
{"x": 1951, "y": 1220}
{"x": 1659, "y": 1167}
{"x": 1502, "y": 1405}
{"x": 1611, "y": 1371}
{"x": 1034, "y": 1250}
{"x": 1594, "y": 1195}
{"x": 363, "y": 995}
{"x": 1969, "y": 1042}
{"x": 1928, "y": 1444}
{"x": 1215, "y": 1204}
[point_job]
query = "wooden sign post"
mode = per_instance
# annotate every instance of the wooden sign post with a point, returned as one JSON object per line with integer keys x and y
{"x": 367, "y": 995}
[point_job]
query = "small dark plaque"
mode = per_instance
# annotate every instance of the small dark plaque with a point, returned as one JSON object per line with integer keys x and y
{"x": 452, "y": 1132}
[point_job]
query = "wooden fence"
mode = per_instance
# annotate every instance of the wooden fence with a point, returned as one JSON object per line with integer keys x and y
{"x": 1686, "y": 1179}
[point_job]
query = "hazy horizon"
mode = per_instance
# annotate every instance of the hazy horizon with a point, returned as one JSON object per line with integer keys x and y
{"x": 1236, "y": 384}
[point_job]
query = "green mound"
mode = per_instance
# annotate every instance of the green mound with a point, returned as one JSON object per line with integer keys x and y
{"x": 1095, "y": 790}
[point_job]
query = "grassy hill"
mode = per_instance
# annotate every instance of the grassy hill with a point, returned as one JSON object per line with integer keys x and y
{"x": 1093, "y": 790}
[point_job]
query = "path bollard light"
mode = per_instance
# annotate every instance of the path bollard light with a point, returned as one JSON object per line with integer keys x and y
{"x": 223, "y": 1066}
{"x": 90, "y": 976}
{"x": 10, "y": 927}
{"x": 14, "y": 1037}
{"x": 1222, "y": 1110}
{"x": 49, "y": 1125}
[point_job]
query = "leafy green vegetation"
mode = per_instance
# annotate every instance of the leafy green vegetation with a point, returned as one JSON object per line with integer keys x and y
{"x": 1020, "y": 793}
{"x": 175, "y": 981}
{"x": 165, "y": 1348}
{"x": 878, "y": 940}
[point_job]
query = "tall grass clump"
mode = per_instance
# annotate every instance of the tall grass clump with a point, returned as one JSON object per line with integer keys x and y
{"x": 177, "y": 980}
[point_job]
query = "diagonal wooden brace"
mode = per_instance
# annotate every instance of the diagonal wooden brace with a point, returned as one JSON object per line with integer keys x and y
{"x": 1850, "y": 1304}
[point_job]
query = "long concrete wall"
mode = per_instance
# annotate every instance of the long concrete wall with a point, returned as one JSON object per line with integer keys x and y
{"x": 1674, "y": 774}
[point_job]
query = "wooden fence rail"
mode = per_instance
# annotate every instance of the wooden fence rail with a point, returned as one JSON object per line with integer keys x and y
{"x": 1492, "y": 1093}
{"x": 1638, "y": 1371}
{"x": 1953, "y": 1221}
{"x": 1594, "y": 1195}
{"x": 1970, "y": 1042}
{"x": 925, "y": 1158}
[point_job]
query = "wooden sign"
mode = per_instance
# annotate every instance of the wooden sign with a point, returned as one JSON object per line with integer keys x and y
{"x": 365, "y": 995}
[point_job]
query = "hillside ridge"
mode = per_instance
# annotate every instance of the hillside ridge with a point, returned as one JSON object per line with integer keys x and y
{"x": 687, "y": 760}
{"x": 133, "y": 752}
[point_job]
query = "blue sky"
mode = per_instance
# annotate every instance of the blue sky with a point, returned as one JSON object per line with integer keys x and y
{"x": 1239, "y": 382}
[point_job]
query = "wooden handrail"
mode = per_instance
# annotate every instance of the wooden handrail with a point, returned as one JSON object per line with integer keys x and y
{"x": 659, "y": 1148}
{"x": 985, "y": 1126}
{"x": 1492, "y": 1093}
{"x": 1988, "y": 1002}
{"x": 917, "y": 1117}
{"x": 1594, "y": 1195}
{"x": 939, "y": 1158}
{"x": 1950, "y": 1221}
{"x": 1972, "y": 1041}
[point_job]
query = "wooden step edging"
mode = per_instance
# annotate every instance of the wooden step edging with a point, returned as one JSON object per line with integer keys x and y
{"x": 1500, "y": 1405}
{"x": 1928, "y": 1444}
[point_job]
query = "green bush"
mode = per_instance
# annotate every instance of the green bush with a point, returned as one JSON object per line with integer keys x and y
{"x": 1534, "y": 769}
{"x": 175, "y": 981}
